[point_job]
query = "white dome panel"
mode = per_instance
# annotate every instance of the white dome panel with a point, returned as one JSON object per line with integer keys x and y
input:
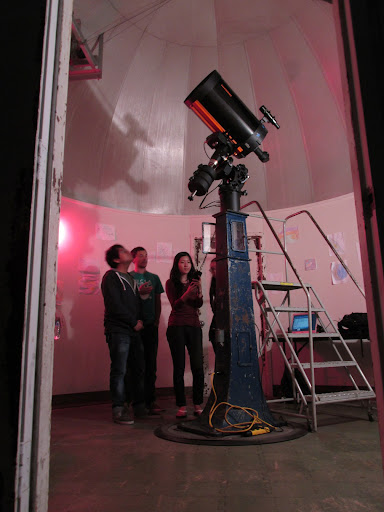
{"x": 131, "y": 142}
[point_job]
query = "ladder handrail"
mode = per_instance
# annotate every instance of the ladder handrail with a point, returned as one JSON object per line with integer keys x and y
{"x": 264, "y": 301}
{"x": 280, "y": 244}
{"x": 329, "y": 244}
{"x": 306, "y": 291}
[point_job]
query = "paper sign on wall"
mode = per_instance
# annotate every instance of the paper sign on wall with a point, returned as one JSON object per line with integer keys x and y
{"x": 164, "y": 252}
{"x": 291, "y": 235}
{"x": 89, "y": 279}
{"x": 105, "y": 232}
{"x": 339, "y": 274}
{"x": 310, "y": 264}
{"x": 337, "y": 240}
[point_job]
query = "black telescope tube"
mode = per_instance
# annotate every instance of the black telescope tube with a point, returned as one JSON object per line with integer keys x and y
{"x": 219, "y": 107}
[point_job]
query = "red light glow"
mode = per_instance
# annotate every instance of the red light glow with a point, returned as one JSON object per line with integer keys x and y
{"x": 63, "y": 232}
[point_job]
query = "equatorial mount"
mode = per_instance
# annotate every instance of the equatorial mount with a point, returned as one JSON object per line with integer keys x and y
{"x": 220, "y": 167}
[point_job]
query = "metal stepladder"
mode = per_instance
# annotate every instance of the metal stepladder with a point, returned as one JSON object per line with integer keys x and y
{"x": 291, "y": 344}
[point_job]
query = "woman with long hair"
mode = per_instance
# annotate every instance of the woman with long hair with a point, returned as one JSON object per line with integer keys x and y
{"x": 183, "y": 290}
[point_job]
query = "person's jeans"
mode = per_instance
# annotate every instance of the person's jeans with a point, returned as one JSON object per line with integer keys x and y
{"x": 181, "y": 337}
{"x": 119, "y": 344}
{"x": 150, "y": 338}
{"x": 134, "y": 379}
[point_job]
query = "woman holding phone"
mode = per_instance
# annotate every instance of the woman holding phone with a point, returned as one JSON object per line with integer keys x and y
{"x": 183, "y": 290}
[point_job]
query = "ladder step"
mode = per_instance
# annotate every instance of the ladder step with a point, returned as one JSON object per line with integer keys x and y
{"x": 294, "y": 309}
{"x": 314, "y": 335}
{"x": 342, "y": 396}
{"x": 282, "y": 286}
{"x": 326, "y": 364}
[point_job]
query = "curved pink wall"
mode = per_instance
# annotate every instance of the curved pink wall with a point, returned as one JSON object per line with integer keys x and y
{"x": 81, "y": 356}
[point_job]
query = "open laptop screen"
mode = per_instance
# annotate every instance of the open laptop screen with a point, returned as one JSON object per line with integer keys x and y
{"x": 300, "y": 322}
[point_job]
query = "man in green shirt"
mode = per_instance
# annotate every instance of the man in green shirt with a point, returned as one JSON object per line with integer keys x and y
{"x": 150, "y": 289}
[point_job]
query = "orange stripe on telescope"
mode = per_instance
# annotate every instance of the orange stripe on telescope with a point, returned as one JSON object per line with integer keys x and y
{"x": 210, "y": 121}
{"x": 206, "y": 117}
{"x": 226, "y": 90}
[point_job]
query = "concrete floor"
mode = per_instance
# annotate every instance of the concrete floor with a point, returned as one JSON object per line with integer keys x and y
{"x": 99, "y": 466}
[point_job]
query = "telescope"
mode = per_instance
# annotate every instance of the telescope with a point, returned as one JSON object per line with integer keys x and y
{"x": 236, "y": 131}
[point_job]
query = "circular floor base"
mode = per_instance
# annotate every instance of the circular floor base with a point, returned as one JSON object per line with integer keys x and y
{"x": 191, "y": 432}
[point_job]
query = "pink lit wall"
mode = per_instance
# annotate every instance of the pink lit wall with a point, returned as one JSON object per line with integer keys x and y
{"x": 81, "y": 361}
{"x": 306, "y": 247}
{"x": 81, "y": 355}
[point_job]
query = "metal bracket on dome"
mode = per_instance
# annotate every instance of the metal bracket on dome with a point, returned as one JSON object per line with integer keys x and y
{"x": 83, "y": 63}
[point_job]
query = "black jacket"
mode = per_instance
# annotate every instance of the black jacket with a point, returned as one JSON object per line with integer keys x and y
{"x": 212, "y": 301}
{"x": 122, "y": 304}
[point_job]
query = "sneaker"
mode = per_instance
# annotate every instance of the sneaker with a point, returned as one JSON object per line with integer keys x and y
{"x": 154, "y": 408}
{"x": 198, "y": 410}
{"x": 122, "y": 416}
{"x": 182, "y": 412}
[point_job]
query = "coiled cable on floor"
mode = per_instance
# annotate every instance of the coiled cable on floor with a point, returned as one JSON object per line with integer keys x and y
{"x": 252, "y": 426}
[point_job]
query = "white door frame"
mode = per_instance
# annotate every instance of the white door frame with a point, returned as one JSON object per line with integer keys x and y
{"x": 33, "y": 445}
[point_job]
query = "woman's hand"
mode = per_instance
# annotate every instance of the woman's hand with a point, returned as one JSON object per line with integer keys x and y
{"x": 194, "y": 290}
{"x": 198, "y": 283}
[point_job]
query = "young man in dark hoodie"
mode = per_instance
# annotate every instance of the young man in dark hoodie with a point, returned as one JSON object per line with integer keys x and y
{"x": 122, "y": 325}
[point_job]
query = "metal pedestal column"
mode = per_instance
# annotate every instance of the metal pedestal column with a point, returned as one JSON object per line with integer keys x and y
{"x": 237, "y": 377}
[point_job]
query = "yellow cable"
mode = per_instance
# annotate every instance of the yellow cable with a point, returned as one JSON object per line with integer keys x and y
{"x": 240, "y": 427}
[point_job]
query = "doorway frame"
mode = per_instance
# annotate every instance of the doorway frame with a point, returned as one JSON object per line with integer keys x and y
{"x": 33, "y": 443}
{"x": 32, "y": 472}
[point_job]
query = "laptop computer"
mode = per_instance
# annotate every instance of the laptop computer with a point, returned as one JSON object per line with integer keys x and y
{"x": 300, "y": 322}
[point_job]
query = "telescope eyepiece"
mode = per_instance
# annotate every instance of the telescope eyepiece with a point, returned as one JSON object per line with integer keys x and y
{"x": 269, "y": 117}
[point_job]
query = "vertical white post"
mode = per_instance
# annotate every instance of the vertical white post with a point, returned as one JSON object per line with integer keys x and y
{"x": 32, "y": 465}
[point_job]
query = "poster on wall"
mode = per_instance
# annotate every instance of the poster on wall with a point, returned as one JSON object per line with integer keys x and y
{"x": 89, "y": 277}
{"x": 310, "y": 264}
{"x": 164, "y": 252}
{"x": 291, "y": 235}
{"x": 105, "y": 232}
{"x": 337, "y": 241}
{"x": 338, "y": 273}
